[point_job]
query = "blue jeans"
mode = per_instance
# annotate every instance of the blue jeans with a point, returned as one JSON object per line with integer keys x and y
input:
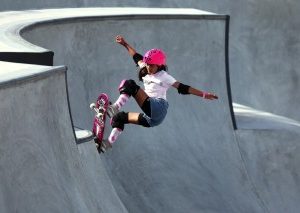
{"x": 159, "y": 109}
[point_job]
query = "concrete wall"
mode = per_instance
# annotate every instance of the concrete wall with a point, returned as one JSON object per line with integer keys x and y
{"x": 181, "y": 165}
{"x": 225, "y": 170}
{"x": 264, "y": 46}
{"x": 96, "y": 63}
{"x": 42, "y": 169}
{"x": 271, "y": 158}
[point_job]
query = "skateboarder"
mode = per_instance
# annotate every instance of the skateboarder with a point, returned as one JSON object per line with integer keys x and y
{"x": 152, "y": 99}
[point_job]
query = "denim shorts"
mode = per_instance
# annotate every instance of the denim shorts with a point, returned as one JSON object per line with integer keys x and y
{"x": 159, "y": 109}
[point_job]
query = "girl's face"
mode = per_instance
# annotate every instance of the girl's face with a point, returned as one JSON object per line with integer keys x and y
{"x": 151, "y": 68}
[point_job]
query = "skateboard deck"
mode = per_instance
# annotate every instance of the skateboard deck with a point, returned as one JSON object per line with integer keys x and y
{"x": 100, "y": 108}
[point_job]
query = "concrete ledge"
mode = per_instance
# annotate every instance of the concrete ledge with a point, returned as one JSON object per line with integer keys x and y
{"x": 13, "y": 73}
{"x": 83, "y": 135}
{"x": 13, "y": 23}
{"x": 252, "y": 119}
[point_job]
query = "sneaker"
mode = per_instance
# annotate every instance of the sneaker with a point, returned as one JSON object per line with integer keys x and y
{"x": 104, "y": 146}
{"x": 112, "y": 110}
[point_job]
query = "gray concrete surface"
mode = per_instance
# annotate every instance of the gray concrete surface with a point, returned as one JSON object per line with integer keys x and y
{"x": 42, "y": 169}
{"x": 271, "y": 158}
{"x": 194, "y": 162}
{"x": 264, "y": 45}
{"x": 155, "y": 186}
{"x": 249, "y": 118}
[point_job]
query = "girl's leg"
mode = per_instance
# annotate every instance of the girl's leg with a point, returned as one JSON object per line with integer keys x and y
{"x": 124, "y": 118}
{"x": 134, "y": 118}
{"x": 129, "y": 88}
{"x": 140, "y": 97}
{"x": 121, "y": 101}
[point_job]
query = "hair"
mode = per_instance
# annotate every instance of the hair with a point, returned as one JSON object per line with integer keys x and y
{"x": 163, "y": 67}
{"x": 143, "y": 72}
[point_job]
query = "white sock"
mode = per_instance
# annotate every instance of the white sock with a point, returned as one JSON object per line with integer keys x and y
{"x": 123, "y": 98}
{"x": 114, "y": 135}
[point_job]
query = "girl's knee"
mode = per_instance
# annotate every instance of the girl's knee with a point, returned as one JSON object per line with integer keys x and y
{"x": 129, "y": 87}
{"x": 143, "y": 121}
{"x": 119, "y": 120}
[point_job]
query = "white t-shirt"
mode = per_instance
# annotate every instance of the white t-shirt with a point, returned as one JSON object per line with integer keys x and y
{"x": 156, "y": 85}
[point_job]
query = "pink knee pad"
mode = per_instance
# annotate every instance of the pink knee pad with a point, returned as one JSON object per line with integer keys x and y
{"x": 122, "y": 84}
{"x": 128, "y": 87}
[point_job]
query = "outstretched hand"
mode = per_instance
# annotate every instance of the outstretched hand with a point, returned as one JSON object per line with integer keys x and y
{"x": 120, "y": 40}
{"x": 209, "y": 96}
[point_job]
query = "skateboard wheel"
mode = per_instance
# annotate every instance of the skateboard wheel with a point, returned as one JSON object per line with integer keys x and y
{"x": 92, "y": 105}
{"x": 99, "y": 115}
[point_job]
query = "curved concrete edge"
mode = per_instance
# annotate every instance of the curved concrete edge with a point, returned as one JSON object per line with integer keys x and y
{"x": 13, "y": 73}
{"x": 12, "y": 24}
{"x": 251, "y": 119}
{"x": 228, "y": 83}
{"x": 16, "y": 49}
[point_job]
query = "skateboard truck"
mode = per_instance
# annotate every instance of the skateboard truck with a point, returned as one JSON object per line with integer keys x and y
{"x": 99, "y": 111}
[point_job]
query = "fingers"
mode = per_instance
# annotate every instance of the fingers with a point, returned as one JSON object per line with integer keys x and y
{"x": 120, "y": 39}
{"x": 213, "y": 96}
{"x": 210, "y": 96}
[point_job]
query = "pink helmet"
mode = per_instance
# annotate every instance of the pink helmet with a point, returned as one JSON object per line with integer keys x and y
{"x": 155, "y": 56}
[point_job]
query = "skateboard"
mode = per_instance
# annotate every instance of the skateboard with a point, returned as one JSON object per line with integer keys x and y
{"x": 100, "y": 108}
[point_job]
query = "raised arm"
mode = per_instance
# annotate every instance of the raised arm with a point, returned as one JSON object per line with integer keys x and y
{"x": 130, "y": 49}
{"x": 185, "y": 90}
{"x": 132, "y": 52}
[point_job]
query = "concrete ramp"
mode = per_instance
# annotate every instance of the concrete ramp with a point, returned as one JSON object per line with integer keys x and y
{"x": 196, "y": 161}
{"x": 189, "y": 163}
{"x": 41, "y": 169}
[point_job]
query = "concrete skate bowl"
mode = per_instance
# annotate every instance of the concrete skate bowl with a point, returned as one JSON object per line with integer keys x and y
{"x": 264, "y": 47}
{"x": 196, "y": 161}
